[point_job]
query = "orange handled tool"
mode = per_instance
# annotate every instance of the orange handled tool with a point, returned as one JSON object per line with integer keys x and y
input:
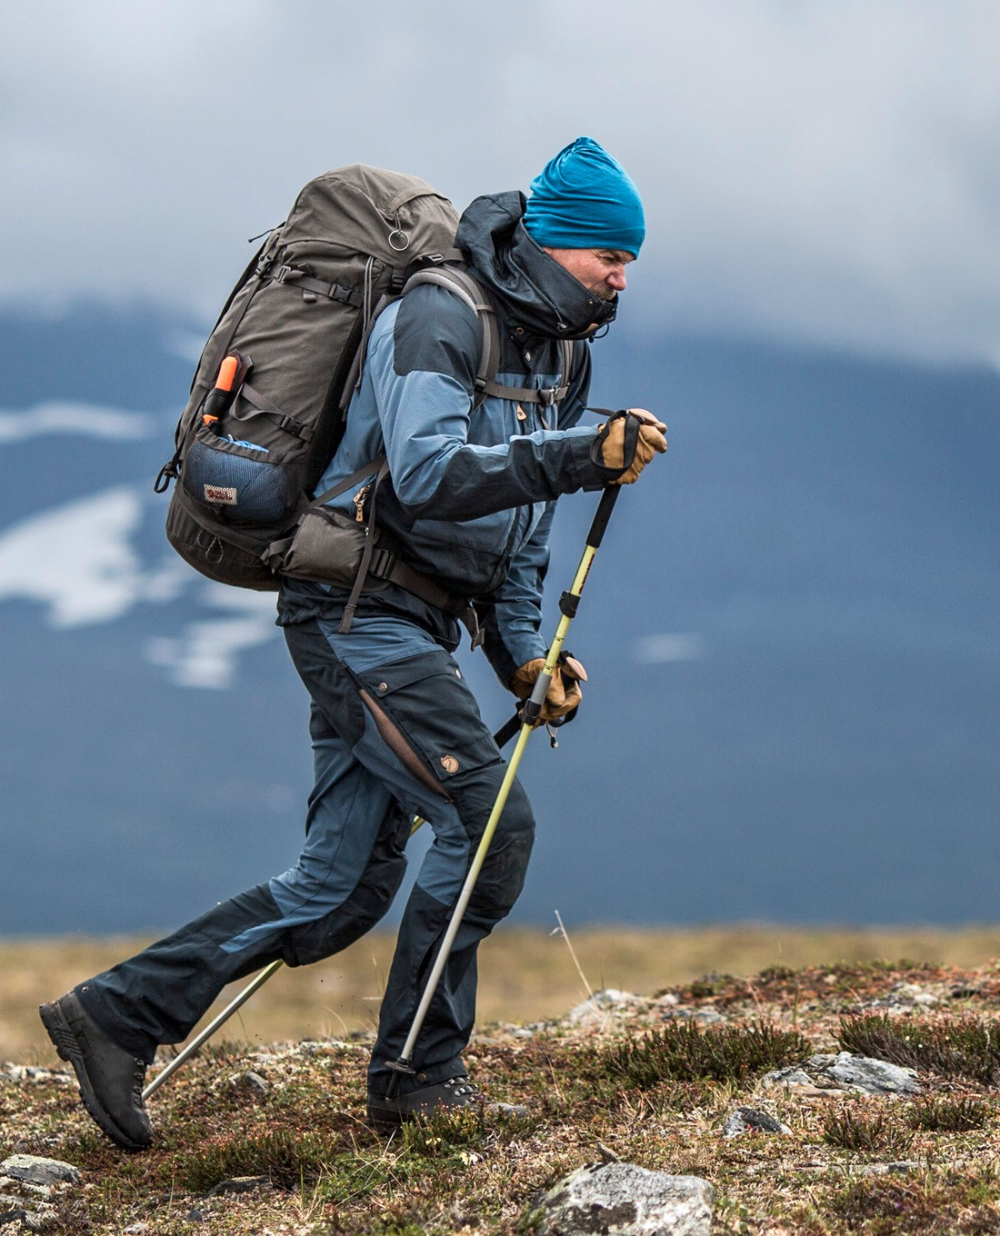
{"x": 232, "y": 371}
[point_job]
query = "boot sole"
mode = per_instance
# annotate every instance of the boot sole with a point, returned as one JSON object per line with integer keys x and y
{"x": 385, "y": 1118}
{"x": 68, "y": 1048}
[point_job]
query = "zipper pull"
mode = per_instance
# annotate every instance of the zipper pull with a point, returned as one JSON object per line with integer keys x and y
{"x": 359, "y": 503}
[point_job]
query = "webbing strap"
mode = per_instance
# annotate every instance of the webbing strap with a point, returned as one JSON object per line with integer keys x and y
{"x": 366, "y": 556}
{"x": 383, "y": 564}
{"x": 468, "y": 290}
{"x": 261, "y": 402}
{"x": 359, "y": 475}
{"x": 302, "y": 279}
{"x": 462, "y": 284}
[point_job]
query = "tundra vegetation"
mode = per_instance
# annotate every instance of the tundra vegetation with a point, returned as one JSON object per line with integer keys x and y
{"x": 271, "y": 1137}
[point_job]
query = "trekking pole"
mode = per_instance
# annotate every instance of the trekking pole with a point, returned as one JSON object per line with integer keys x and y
{"x": 501, "y": 738}
{"x": 258, "y": 980}
{"x": 568, "y": 605}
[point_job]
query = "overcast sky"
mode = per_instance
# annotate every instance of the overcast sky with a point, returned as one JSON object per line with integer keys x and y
{"x": 819, "y": 170}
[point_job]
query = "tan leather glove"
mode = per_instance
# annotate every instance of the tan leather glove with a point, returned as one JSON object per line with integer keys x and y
{"x": 650, "y": 439}
{"x": 564, "y": 692}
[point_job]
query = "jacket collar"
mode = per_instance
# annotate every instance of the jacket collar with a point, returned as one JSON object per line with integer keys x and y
{"x": 537, "y": 293}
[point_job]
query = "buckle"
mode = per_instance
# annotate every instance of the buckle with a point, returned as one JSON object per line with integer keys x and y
{"x": 548, "y": 396}
{"x": 381, "y": 563}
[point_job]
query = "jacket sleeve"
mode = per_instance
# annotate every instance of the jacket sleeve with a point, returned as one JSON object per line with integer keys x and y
{"x": 512, "y": 622}
{"x": 512, "y": 618}
{"x": 423, "y": 371}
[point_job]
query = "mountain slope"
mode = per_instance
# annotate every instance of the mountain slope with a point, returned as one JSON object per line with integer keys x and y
{"x": 790, "y": 632}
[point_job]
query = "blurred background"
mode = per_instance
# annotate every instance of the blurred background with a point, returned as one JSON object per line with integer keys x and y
{"x": 791, "y": 631}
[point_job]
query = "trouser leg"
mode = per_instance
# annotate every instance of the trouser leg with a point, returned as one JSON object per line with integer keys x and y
{"x": 451, "y": 1014}
{"x": 448, "y": 769}
{"x": 389, "y": 723}
{"x": 344, "y": 881}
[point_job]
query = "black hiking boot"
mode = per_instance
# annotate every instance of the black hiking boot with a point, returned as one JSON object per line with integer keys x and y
{"x": 447, "y": 1095}
{"x": 110, "y": 1077}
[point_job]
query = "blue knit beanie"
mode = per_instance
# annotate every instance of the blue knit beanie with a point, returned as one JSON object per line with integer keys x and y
{"x": 584, "y": 199}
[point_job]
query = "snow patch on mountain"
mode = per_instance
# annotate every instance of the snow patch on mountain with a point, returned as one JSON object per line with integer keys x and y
{"x": 205, "y": 654}
{"x": 78, "y": 560}
{"x": 670, "y": 646}
{"x": 58, "y": 416}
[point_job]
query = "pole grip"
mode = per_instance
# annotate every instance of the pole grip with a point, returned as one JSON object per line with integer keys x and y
{"x": 602, "y": 515}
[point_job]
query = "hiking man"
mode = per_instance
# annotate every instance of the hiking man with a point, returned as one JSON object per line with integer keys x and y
{"x": 396, "y": 733}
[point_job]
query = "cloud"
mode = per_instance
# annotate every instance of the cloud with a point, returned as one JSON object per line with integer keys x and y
{"x": 73, "y": 418}
{"x": 815, "y": 171}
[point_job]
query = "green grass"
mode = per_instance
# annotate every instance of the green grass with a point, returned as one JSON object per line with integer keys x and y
{"x": 851, "y": 1127}
{"x": 288, "y": 1157}
{"x": 943, "y": 1114}
{"x": 681, "y": 1051}
{"x": 964, "y": 1047}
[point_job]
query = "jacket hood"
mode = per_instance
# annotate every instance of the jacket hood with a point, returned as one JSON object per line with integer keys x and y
{"x": 538, "y": 293}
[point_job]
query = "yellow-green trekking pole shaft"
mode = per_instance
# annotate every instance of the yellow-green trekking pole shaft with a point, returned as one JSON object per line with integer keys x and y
{"x": 568, "y": 604}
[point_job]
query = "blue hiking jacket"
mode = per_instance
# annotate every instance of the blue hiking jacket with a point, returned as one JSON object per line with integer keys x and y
{"x": 470, "y": 493}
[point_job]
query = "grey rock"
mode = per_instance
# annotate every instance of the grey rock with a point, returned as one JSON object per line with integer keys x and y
{"x": 39, "y": 1171}
{"x": 249, "y": 1083}
{"x": 622, "y": 1199}
{"x": 240, "y": 1184}
{"x": 787, "y": 1077}
{"x": 136, "y": 1229}
{"x": 602, "y": 1003}
{"x": 903, "y": 996}
{"x": 26, "y": 1188}
{"x": 34, "y": 1073}
{"x": 903, "y": 1167}
{"x": 864, "y": 1074}
{"x": 38, "y": 1220}
{"x": 706, "y": 1017}
{"x": 749, "y": 1119}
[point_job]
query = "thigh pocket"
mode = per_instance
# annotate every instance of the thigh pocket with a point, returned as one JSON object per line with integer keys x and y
{"x": 433, "y": 713}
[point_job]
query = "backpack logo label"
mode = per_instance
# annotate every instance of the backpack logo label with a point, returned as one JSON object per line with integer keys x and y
{"x": 224, "y": 494}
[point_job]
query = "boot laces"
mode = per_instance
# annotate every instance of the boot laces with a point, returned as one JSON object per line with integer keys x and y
{"x": 138, "y": 1077}
{"x": 460, "y": 1085}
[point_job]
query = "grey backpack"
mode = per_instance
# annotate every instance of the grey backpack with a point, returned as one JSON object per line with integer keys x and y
{"x": 270, "y": 395}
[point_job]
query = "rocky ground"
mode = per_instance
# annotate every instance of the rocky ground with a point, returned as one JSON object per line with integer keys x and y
{"x": 854, "y": 1098}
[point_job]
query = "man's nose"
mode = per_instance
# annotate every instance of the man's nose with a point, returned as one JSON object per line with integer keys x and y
{"x": 616, "y": 280}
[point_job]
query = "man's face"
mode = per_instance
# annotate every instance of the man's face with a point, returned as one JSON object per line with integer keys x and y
{"x": 601, "y": 271}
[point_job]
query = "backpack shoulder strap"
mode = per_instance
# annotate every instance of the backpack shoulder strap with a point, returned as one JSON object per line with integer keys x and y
{"x": 462, "y": 284}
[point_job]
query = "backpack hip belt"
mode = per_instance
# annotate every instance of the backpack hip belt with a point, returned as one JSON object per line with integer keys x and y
{"x": 329, "y": 546}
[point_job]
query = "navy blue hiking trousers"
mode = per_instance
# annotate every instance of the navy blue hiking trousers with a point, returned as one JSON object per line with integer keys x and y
{"x": 396, "y": 734}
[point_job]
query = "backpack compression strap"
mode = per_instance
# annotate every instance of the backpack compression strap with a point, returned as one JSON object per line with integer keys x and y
{"x": 462, "y": 284}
